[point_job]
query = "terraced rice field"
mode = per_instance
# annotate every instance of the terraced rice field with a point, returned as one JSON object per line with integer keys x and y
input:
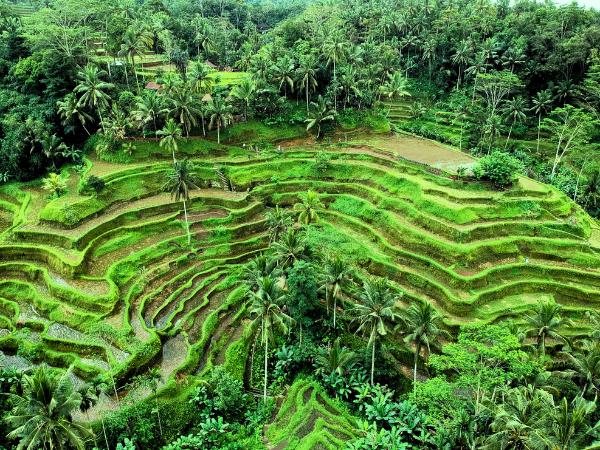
{"x": 308, "y": 419}
{"x": 107, "y": 283}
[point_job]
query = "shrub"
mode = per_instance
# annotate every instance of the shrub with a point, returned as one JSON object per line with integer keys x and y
{"x": 500, "y": 168}
{"x": 55, "y": 184}
{"x": 94, "y": 183}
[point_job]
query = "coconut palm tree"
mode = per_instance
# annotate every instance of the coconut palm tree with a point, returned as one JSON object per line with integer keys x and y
{"x": 374, "y": 312}
{"x": 290, "y": 247}
{"x": 245, "y": 92}
{"x": 283, "y": 73}
{"x": 220, "y": 115}
{"x": 70, "y": 109}
{"x": 519, "y": 422}
{"x": 336, "y": 276}
{"x": 544, "y": 320}
{"x": 260, "y": 267}
{"x": 184, "y": 107}
{"x": 422, "y": 327}
{"x": 334, "y": 359}
{"x": 461, "y": 58}
{"x": 199, "y": 76}
{"x": 136, "y": 41}
{"x": 170, "y": 133}
{"x": 542, "y": 103}
{"x": 278, "y": 221}
{"x": 93, "y": 89}
{"x": 319, "y": 114}
{"x": 268, "y": 316}
{"x": 307, "y": 208}
{"x": 308, "y": 77}
{"x": 570, "y": 427}
{"x": 514, "y": 110}
{"x": 335, "y": 49}
{"x": 90, "y": 394}
{"x": 396, "y": 86}
{"x": 180, "y": 181}
{"x": 585, "y": 367}
{"x": 149, "y": 109}
{"x": 42, "y": 414}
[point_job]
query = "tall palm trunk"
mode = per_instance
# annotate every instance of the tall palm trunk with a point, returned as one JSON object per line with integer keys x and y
{"x": 417, "y": 352}
{"x": 187, "y": 223}
{"x": 373, "y": 361}
{"x": 266, "y": 361}
{"x": 334, "y": 309}
{"x": 334, "y": 88}
{"x": 218, "y": 133}
{"x": 158, "y": 415}
{"x": 539, "y": 127}
{"x": 137, "y": 81}
{"x": 306, "y": 98}
{"x": 509, "y": 133}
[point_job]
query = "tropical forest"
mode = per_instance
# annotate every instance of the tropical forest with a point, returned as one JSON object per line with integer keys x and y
{"x": 299, "y": 224}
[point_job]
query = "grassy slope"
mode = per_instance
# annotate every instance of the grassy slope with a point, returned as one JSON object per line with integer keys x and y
{"x": 113, "y": 269}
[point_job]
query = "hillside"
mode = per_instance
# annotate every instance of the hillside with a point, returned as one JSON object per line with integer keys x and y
{"x": 106, "y": 282}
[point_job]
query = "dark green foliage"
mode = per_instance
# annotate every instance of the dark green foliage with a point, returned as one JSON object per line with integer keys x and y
{"x": 302, "y": 291}
{"x": 95, "y": 184}
{"x": 500, "y": 168}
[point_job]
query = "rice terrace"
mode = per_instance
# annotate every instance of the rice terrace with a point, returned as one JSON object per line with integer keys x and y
{"x": 296, "y": 224}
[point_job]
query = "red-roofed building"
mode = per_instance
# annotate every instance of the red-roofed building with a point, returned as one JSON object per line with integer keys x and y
{"x": 153, "y": 86}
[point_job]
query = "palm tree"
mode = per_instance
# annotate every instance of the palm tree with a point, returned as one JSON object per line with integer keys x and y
{"x": 284, "y": 74}
{"x": 542, "y": 103}
{"x": 308, "y": 77}
{"x": 170, "y": 133}
{"x": 519, "y": 421}
{"x": 220, "y": 115}
{"x": 148, "y": 109}
{"x": 585, "y": 365}
{"x": 514, "y": 110}
{"x": 90, "y": 394}
{"x": 135, "y": 43}
{"x": 42, "y": 414}
{"x": 349, "y": 84}
{"x": 334, "y": 359}
{"x": 89, "y": 398}
{"x": 184, "y": 107}
{"x": 307, "y": 208}
{"x": 70, "y": 109}
{"x": 570, "y": 427}
{"x": 320, "y": 113}
{"x": 291, "y": 247}
{"x": 199, "y": 77}
{"x": 92, "y": 89}
{"x": 245, "y": 92}
{"x": 422, "y": 325}
{"x": 278, "y": 221}
{"x": 544, "y": 320}
{"x": 396, "y": 86}
{"x": 336, "y": 276}
{"x": 375, "y": 311}
{"x": 335, "y": 49}
{"x": 268, "y": 315}
{"x": 260, "y": 266}
{"x": 461, "y": 58}
{"x": 180, "y": 180}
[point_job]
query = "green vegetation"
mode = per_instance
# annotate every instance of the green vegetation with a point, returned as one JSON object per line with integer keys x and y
{"x": 297, "y": 225}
